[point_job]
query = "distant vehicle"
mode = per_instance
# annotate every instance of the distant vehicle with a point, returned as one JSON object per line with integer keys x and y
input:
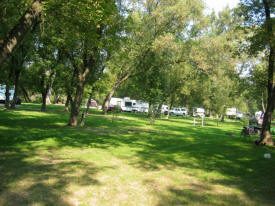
{"x": 3, "y": 95}
{"x": 240, "y": 115}
{"x": 164, "y": 109}
{"x": 140, "y": 106}
{"x": 234, "y": 113}
{"x": 198, "y": 112}
{"x": 129, "y": 105}
{"x": 231, "y": 112}
{"x": 93, "y": 103}
{"x": 178, "y": 111}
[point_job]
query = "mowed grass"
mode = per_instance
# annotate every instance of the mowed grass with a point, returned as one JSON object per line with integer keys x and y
{"x": 128, "y": 162}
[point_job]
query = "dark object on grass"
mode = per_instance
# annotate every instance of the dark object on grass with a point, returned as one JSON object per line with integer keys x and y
{"x": 250, "y": 130}
{"x": 258, "y": 142}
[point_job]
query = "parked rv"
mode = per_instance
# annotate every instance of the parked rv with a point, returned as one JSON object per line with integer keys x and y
{"x": 234, "y": 113}
{"x": 129, "y": 105}
{"x": 140, "y": 106}
{"x": 197, "y": 112}
{"x": 164, "y": 109}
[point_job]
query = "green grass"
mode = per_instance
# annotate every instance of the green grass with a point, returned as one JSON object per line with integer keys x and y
{"x": 128, "y": 162}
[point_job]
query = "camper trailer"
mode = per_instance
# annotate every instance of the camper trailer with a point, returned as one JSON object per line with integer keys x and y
{"x": 198, "y": 112}
{"x": 129, "y": 105}
{"x": 164, "y": 109}
{"x": 140, "y": 106}
{"x": 126, "y": 104}
{"x": 234, "y": 113}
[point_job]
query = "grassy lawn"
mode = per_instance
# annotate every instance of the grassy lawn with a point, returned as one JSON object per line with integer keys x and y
{"x": 128, "y": 162}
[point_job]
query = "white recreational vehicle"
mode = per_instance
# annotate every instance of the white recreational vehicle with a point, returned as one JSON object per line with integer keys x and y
{"x": 234, "y": 113}
{"x": 198, "y": 112}
{"x": 129, "y": 105}
{"x": 140, "y": 106}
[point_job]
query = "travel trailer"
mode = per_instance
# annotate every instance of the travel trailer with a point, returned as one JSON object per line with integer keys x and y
{"x": 129, "y": 105}
{"x": 234, "y": 113}
{"x": 198, "y": 112}
{"x": 140, "y": 106}
{"x": 164, "y": 109}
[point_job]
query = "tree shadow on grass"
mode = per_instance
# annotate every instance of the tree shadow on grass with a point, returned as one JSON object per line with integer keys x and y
{"x": 28, "y": 178}
{"x": 175, "y": 196}
{"x": 241, "y": 164}
{"x": 199, "y": 150}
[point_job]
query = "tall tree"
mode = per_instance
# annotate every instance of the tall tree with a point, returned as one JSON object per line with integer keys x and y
{"x": 258, "y": 18}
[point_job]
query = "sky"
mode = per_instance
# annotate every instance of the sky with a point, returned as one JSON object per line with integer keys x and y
{"x": 218, "y": 5}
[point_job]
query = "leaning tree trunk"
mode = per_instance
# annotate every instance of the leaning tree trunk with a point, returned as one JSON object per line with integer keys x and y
{"x": 107, "y": 99}
{"x": 265, "y": 134}
{"x": 25, "y": 93}
{"x": 16, "y": 87}
{"x": 17, "y": 34}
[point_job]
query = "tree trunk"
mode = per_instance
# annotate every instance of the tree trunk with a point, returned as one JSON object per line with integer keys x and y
{"x": 89, "y": 103}
{"x": 83, "y": 117}
{"x": 263, "y": 103}
{"x": 8, "y": 83}
{"x": 7, "y": 94}
{"x": 265, "y": 134}
{"x": 158, "y": 112}
{"x": 49, "y": 93}
{"x": 68, "y": 101}
{"x": 222, "y": 118}
{"x": 17, "y": 34}
{"x": 25, "y": 93}
{"x": 17, "y": 76}
{"x": 44, "y": 96}
{"x": 107, "y": 99}
{"x": 75, "y": 104}
{"x": 151, "y": 114}
{"x": 84, "y": 114}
